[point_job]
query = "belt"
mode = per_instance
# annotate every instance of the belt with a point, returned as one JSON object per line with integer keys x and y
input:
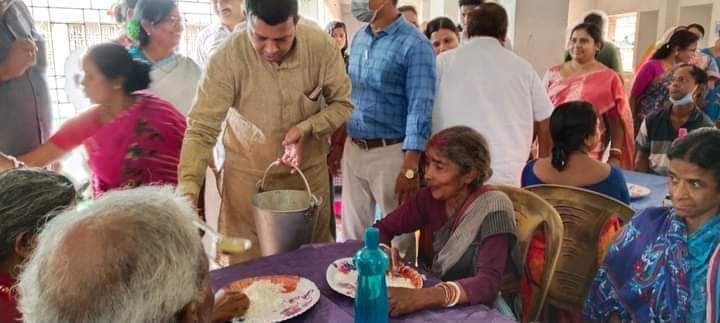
{"x": 368, "y": 144}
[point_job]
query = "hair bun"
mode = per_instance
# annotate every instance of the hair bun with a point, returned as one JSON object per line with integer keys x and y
{"x": 138, "y": 78}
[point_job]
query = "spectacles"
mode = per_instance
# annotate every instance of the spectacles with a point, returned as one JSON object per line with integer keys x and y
{"x": 172, "y": 19}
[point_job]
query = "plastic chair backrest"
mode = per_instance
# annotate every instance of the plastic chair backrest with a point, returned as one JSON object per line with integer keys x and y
{"x": 531, "y": 211}
{"x": 583, "y": 213}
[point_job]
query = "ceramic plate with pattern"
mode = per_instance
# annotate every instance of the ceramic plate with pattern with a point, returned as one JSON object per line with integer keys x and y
{"x": 341, "y": 275}
{"x": 276, "y": 298}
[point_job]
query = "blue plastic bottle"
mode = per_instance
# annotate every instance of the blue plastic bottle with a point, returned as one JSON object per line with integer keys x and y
{"x": 371, "y": 302}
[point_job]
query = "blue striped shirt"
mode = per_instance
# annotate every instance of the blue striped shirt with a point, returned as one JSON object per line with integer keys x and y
{"x": 393, "y": 84}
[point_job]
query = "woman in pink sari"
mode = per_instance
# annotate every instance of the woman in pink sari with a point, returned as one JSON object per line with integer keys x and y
{"x": 585, "y": 79}
{"x": 131, "y": 138}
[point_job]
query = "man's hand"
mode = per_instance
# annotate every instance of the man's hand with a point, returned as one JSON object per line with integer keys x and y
{"x": 293, "y": 148}
{"x": 334, "y": 159}
{"x": 406, "y": 188}
{"x": 22, "y": 55}
{"x": 228, "y": 305}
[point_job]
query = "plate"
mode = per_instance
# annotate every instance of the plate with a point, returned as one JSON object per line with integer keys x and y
{"x": 341, "y": 275}
{"x": 276, "y": 298}
{"x": 637, "y": 191}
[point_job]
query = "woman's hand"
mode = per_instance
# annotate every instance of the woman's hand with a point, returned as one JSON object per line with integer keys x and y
{"x": 396, "y": 261}
{"x": 614, "y": 161}
{"x": 229, "y": 304}
{"x": 407, "y": 300}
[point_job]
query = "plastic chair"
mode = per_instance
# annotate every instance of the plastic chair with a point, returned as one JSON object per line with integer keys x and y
{"x": 531, "y": 211}
{"x": 583, "y": 213}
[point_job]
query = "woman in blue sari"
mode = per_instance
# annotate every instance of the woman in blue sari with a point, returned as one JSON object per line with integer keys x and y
{"x": 656, "y": 270}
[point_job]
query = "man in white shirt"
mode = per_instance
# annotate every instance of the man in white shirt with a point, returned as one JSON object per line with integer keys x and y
{"x": 231, "y": 14}
{"x": 491, "y": 89}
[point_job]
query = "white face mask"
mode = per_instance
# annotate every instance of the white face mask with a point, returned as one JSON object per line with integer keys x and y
{"x": 362, "y": 12}
{"x": 688, "y": 99}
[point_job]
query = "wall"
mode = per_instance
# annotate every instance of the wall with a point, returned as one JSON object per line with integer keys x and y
{"x": 646, "y": 32}
{"x": 540, "y": 31}
{"x": 668, "y": 11}
{"x": 697, "y": 15}
{"x": 577, "y": 10}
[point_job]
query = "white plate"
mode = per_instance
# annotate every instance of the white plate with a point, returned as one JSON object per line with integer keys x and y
{"x": 341, "y": 275}
{"x": 637, "y": 191}
{"x": 298, "y": 295}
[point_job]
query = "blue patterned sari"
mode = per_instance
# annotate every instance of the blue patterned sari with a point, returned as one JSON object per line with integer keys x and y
{"x": 654, "y": 271}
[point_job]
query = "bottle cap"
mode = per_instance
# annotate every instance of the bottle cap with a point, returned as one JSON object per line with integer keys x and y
{"x": 372, "y": 237}
{"x": 682, "y": 132}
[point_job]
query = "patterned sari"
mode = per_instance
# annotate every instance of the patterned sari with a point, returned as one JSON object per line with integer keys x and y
{"x": 655, "y": 271}
{"x": 654, "y": 92}
{"x": 712, "y": 97}
{"x": 713, "y": 287}
{"x": 139, "y": 147}
{"x": 605, "y": 91}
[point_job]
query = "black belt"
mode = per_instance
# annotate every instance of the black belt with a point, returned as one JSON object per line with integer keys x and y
{"x": 368, "y": 144}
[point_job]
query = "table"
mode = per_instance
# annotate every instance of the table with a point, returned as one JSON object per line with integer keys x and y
{"x": 311, "y": 262}
{"x": 656, "y": 184}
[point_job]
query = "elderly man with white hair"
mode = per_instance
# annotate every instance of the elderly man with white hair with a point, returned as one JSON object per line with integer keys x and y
{"x": 131, "y": 256}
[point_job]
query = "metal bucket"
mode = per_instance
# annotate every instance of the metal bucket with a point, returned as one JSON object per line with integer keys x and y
{"x": 283, "y": 218}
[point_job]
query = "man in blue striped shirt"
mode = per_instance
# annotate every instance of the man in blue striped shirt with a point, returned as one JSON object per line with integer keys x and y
{"x": 392, "y": 69}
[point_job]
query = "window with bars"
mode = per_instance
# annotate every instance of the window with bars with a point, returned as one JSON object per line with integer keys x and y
{"x": 69, "y": 26}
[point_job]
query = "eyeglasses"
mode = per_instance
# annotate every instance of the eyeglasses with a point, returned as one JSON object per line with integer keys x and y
{"x": 172, "y": 19}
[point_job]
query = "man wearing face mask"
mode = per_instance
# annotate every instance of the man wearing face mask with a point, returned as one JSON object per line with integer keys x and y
{"x": 392, "y": 68}
{"x": 269, "y": 82}
{"x": 24, "y": 96}
{"x": 662, "y": 127}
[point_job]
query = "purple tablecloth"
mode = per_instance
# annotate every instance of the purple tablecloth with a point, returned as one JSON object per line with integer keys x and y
{"x": 311, "y": 262}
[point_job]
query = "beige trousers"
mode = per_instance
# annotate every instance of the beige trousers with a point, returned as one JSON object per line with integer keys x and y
{"x": 368, "y": 180}
{"x": 236, "y": 211}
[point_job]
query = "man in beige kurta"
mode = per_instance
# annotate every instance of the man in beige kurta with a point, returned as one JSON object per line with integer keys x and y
{"x": 273, "y": 97}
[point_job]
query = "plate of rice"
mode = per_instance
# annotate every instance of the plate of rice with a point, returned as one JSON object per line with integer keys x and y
{"x": 342, "y": 275}
{"x": 276, "y": 298}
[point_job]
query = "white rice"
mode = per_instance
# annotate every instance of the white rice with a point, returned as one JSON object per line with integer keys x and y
{"x": 398, "y": 281}
{"x": 265, "y": 298}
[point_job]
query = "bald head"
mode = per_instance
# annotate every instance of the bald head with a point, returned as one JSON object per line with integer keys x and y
{"x": 132, "y": 256}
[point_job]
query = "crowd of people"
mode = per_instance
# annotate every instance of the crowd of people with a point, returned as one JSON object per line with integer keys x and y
{"x": 420, "y": 120}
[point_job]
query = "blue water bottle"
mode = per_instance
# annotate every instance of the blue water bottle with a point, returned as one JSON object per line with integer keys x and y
{"x": 371, "y": 302}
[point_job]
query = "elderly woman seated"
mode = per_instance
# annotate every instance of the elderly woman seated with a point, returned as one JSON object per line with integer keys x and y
{"x": 131, "y": 256}
{"x": 467, "y": 228}
{"x": 657, "y": 267}
{"x": 131, "y": 138}
{"x": 28, "y": 198}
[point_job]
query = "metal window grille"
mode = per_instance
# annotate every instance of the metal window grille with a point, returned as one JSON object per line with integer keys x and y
{"x": 70, "y": 25}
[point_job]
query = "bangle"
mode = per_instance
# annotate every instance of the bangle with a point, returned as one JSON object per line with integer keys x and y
{"x": 446, "y": 299}
{"x": 457, "y": 294}
{"x": 616, "y": 151}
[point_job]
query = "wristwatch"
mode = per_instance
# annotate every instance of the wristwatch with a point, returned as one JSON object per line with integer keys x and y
{"x": 409, "y": 173}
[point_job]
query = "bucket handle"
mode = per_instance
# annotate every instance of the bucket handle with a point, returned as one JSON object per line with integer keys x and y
{"x": 313, "y": 200}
